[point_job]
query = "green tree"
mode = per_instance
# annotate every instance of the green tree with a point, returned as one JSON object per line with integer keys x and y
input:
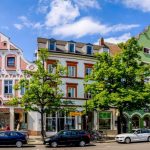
{"x": 119, "y": 81}
{"x": 42, "y": 91}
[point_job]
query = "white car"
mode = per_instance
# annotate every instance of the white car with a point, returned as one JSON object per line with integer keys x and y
{"x": 136, "y": 135}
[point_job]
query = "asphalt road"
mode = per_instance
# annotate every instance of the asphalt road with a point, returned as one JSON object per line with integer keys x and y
{"x": 97, "y": 146}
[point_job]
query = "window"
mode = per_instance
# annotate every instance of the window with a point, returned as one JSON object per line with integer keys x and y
{"x": 71, "y": 71}
{"x": 87, "y": 95}
{"x": 51, "y": 68}
{"x": 72, "y": 47}
{"x": 8, "y": 86}
{"x": 22, "y": 90}
{"x": 89, "y": 49}
{"x": 88, "y": 71}
{"x": 11, "y": 61}
{"x": 146, "y": 50}
{"x": 105, "y": 120}
{"x": 52, "y": 46}
{"x": 71, "y": 90}
{"x": 106, "y": 50}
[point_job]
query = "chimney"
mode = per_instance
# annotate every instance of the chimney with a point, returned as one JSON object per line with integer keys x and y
{"x": 101, "y": 41}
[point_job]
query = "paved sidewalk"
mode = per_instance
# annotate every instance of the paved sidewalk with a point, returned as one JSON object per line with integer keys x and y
{"x": 37, "y": 140}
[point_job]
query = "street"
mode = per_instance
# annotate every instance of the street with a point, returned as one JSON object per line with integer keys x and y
{"x": 97, "y": 146}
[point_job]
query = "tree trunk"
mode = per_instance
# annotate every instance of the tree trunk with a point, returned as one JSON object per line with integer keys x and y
{"x": 120, "y": 118}
{"x": 42, "y": 125}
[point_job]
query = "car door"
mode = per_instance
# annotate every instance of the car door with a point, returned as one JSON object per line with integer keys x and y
{"x": 140, "y": 135}
{"x": 4, "y": 138}
{"x": 75, "y": 137}
{"x": 64, "y": 138}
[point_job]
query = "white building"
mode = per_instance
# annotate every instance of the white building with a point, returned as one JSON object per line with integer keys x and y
{"x": 78, "y": 58}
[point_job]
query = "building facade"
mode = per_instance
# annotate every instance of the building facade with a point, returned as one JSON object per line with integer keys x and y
{"x": 12, "y": 66}
{"x": 78, "y": 59}
{"x": 140, "y": 118}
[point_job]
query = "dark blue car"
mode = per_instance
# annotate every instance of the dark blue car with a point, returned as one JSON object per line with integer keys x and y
{"x": 12, "y": 138}
{"x": 69, "y": 137}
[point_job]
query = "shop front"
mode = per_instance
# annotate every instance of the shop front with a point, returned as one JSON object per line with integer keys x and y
{"x": 56, "y": 121}
{"x": 15, "y": 118}
{"x": 137, "y": 119}
{"x": 4, "y": 118}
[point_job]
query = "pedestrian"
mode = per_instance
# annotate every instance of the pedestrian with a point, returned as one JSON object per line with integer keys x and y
{"x": 7, "y": 128}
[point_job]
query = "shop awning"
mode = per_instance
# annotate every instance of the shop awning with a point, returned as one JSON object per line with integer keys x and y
{"x": 4, "y": 110}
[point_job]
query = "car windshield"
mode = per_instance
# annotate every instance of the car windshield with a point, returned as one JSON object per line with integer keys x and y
{"x": 133, "y": 131}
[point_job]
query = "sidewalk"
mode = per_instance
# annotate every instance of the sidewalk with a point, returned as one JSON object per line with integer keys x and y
{"x": 37, "y": 140}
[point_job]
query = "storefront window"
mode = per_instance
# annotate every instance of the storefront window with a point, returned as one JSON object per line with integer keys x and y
{"x": 4, "y": 120}
{"x": 105, "y": 120}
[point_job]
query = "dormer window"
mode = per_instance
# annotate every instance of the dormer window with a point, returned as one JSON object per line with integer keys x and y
{"x": 146, "y": 50}
{"x": 52, "y": 46}
{"x": 89, "y": 49}
{"x": 71, "y": 47}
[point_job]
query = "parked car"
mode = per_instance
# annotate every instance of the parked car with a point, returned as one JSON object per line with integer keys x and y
{"x": 12, "y": 138}
{"x": 69, "y": 137}
{"x": 136, "y": 135}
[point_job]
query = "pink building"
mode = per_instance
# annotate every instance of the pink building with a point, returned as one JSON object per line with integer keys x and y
{"x": 12, "y": 65}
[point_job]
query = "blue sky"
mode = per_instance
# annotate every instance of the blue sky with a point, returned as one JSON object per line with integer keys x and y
{"x": 79, "y": 20}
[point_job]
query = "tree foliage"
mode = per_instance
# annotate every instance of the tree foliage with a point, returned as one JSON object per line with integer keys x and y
{"x": 42, "y": 91}
{"x": 118, "y": 81}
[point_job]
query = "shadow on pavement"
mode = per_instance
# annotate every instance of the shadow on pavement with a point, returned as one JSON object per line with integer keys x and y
{"x": 13, "y": 146}
{"x": 64, "y": 146}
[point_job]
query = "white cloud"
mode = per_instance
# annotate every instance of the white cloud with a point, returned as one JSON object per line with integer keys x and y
{"x": 25, "y": 22}
{"x": 43, "y": 6}
{"x": 143, "y": 5}
{"x": 87, "y": 3}
{"x": 18, "y": 26}
{"x": 122, "y": 38}
{"x": 61, "y": 12}
{"x": 88, "y": 26}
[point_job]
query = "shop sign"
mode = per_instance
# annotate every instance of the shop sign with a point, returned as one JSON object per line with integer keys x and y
{"x": 75, "y": 113}
{"x": 4, "y": 110}
{"x": 105, "y": 115}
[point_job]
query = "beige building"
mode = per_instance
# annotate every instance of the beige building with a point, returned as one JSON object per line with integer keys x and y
{"x": 78, "y": 58}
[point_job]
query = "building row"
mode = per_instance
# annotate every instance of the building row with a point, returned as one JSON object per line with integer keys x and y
{"x": 79, "y": 59}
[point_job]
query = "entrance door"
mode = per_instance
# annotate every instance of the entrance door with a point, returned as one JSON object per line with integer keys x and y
{"x": 124, "y": 125}
{"x": 60, "y": 123}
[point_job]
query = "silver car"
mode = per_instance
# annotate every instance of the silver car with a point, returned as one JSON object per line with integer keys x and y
{"x": 136, "y": 135}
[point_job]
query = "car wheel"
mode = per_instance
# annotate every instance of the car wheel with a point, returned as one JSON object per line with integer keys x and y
{"x": 54, "y": 144}
{"x": 127, "y": 140}
{"x": 82, "y": 143}
{"x": 148, "y": 139}
{"x": 19, "y": 144}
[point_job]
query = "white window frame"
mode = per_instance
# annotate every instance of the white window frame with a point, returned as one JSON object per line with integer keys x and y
{"x": 88, "y": 70}
{"x": 71, "y": 71}
{"x": 72, "y": 91}
{"x": 22, "y": 90}
{"x": 52, "y": 68}
{"x": 10, "y": 86}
